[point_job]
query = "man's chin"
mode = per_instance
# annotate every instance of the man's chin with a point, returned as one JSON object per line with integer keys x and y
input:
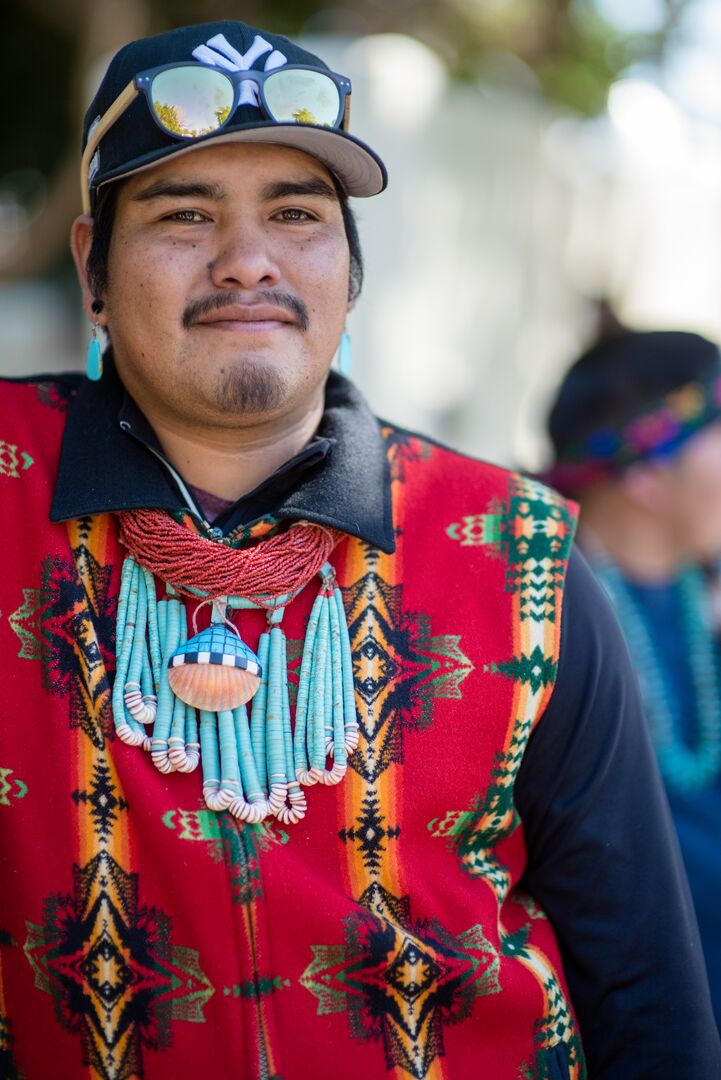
{"x": 252, "y": 389}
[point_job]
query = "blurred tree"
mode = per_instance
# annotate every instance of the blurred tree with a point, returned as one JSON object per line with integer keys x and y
{"x": 49, "y": 50}
{"x": 574, "y": 53}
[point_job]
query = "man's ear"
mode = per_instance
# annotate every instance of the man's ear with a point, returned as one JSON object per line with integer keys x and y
{"x": 81, "y": 239}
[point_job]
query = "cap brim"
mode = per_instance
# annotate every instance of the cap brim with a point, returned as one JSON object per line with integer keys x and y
{"x": 359, "y": 169}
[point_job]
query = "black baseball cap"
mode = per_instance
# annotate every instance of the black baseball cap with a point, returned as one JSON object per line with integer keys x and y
{"x": 135, "y": 142}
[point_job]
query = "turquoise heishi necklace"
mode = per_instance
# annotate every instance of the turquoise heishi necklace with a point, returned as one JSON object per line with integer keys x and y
{"x": 683, "y": 766}
{"x": 211, "y": 700}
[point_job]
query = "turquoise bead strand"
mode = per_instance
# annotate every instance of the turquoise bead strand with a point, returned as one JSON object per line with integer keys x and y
{"x": 209, "y": 756}
{"x": 277, "y": 780}
{"x": 254, "y": 807}
{"x": 153, "y": 629}
{"x": 350, "y": 719}
{"x": 229, "y": 768}
{"x": 296, "y": 805}
{"x": 183, "y": 752}
{"x": 312, "y": 723}
{"x": 127, "y": 727}
{"x": 192, "y": 743}
{"x": 169, "y": 618}
{"x": 140, "y": 700}
{"x": 300, "y": 754}
{"x": 257, "y": 715}
{"x": 335, "y": 720}
{"x": 320, "y": 693}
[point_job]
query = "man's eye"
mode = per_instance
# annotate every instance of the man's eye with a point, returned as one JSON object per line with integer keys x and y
{"x": 293, "y": 213}
{"x": 191, "y": 216}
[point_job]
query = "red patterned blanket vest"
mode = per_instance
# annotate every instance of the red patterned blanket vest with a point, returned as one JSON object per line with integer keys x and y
{"x": 145, "y": 936}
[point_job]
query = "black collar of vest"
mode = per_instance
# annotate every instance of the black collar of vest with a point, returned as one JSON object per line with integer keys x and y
{"x": 109, "y": 462}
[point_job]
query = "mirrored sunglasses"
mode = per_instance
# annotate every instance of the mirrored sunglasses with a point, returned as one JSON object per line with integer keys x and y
{"x": 192, "y": 100}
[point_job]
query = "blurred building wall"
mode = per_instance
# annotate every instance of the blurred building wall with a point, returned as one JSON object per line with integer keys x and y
{"x": 502, "y": 217}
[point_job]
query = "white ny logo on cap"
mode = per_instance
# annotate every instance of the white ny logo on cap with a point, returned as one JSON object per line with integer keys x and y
{"x": 218, "y": 52}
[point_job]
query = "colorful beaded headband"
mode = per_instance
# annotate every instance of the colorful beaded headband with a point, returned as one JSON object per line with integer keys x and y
{"x": 657, "y": 431}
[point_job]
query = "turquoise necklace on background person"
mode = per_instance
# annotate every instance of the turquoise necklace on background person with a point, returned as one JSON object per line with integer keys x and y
{"x": 194, "y": 690}
{"x": 686, "y": 764}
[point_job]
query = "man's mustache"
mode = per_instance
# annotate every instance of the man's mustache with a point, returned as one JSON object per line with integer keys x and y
{"x": 196, "y": 309}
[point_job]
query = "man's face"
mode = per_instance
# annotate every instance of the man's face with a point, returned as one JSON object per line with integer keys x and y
{"x": 683, "y": 495}
{"x": 696, "y": 493}
{"x": 227, "y": 285}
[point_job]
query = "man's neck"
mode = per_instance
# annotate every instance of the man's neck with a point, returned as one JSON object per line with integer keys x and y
{"x": 231, "y": 463}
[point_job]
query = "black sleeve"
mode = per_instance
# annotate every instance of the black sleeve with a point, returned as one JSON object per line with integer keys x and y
{"x": 604, "y": 863}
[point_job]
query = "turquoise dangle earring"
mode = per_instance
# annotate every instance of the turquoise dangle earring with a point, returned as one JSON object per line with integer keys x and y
{"x": 345, "y": 354}
{"x": 94, "y": 357}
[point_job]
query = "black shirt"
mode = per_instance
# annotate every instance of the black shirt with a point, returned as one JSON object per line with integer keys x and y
{"x": 603, "y": 860}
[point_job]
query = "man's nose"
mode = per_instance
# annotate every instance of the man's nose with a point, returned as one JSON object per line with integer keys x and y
{"x": 244, "y": 259}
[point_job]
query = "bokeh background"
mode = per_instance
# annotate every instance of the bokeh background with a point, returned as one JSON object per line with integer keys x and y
{"x": 551, "y": 161}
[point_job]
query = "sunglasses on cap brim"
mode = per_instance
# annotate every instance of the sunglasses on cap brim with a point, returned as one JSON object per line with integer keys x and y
{"x": 189, "y": 101}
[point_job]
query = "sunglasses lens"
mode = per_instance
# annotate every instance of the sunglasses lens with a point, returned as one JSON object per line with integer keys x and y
{"x": 191, "y": 101}
{"x": 302, "y": 97}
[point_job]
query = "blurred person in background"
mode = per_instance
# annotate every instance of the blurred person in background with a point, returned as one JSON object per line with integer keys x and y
{"x": 453, "y": 865}
{"x": 636, "y": 433}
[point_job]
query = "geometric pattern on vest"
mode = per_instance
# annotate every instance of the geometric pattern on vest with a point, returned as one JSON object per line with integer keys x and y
{"x": 108, "y": 962}
{"x": 399, "y": 668}
{"x": 69, "y": 624}
{"x": 237, "y": 845}
{"x": 401, "y": 980}
{"x": 532, "y": 531}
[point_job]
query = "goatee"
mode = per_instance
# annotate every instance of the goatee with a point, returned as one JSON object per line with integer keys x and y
{"x": 250, "y": 389}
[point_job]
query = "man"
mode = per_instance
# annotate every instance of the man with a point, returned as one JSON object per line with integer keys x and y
{"x": 636, "y": 428}
{"x": 461, "y": 823}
